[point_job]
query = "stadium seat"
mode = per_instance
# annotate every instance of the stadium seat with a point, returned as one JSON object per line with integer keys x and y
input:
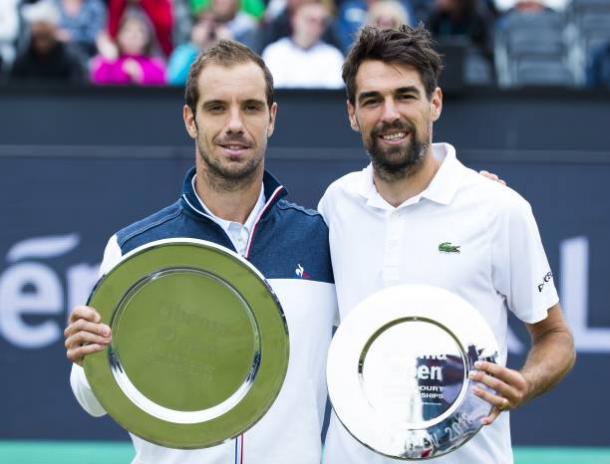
{"x": 530, "y": 49}
{"x": 588, "y": 28}
{"x": 542, "y": 72}
{"x": 477, "y": 69}
{"x": 578, "y": 7}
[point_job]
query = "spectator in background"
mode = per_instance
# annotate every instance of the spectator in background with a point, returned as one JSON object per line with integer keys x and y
{"x": 9, "y": 30}
{"x": 465, "y": 19}
{"x": 130, "y": 60}
{"x": 530, "y": 6}
{"x": 184, "y": 21}
{"x": 353, "y": 15}
{"x": 304, "y": 60}
{"x": 241, "y": 26}
{"x": 387, "y": 14}
{"x": 253, "y": 8}
{"x": 205, "y": 33}
{"x": 280, "y": 25}
{"x": 223, "y": 20}
{"x": 598, "y": 75}
{"x": 81, "y": 22}
{"x": 159, "y": 12}
{"x": 46, "y": 57}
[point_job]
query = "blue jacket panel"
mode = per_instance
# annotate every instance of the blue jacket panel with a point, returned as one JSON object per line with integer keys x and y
{"x": 288, "y": 241}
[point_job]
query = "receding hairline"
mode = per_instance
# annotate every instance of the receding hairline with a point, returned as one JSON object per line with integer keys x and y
{"x": 213, "y": 62}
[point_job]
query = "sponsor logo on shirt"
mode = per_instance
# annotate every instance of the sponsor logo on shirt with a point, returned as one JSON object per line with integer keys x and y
{"x": 447, "y": 247}
{"x": 545, "y": 279}
{"x": 301, "y": 273}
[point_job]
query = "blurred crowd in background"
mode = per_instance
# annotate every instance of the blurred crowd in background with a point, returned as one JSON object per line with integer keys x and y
{"x": 509, "y": 43}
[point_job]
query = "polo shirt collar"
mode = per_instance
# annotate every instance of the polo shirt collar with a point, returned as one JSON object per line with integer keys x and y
{"x": 226, "y": 224}
{"x": 446, "y": 181}
{"x": 273, "y": 191}
{"x": 441, "y": 190}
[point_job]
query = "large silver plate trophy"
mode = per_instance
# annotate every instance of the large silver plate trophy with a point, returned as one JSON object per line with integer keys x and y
{"x": 199, "y": 345}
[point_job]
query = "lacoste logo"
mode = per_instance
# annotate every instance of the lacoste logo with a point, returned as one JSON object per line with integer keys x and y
{"x": 300, "y": 272}
{"x": 447, "y": 247}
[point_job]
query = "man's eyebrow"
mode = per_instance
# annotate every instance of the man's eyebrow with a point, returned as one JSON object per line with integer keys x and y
{"x": 365, "y": 95}
{"x": 401, "y": 90}
{"x": 409, "y": 89}
{"x": 210, "y": 103}
{"x": 255, "y": 101}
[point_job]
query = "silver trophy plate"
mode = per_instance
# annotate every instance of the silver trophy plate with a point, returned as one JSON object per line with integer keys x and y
{"x": 398, "y": 370}
{"x": 199, "y": 346}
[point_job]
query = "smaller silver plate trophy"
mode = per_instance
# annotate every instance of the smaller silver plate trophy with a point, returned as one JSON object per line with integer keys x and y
{"x": 398, "y": 370}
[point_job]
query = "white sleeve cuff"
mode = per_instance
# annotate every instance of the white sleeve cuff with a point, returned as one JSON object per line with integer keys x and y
{"x": 83, "y": 393}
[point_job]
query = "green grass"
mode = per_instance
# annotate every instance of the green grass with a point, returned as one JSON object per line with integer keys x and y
{"x": 41, "y": 452}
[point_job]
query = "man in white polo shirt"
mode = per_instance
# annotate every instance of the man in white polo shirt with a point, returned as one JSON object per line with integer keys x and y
{"x": 417, "y": 215}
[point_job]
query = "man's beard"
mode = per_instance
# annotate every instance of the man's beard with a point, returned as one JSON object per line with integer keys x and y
{"x": 395, "y": 163}
{"x": 229, "y": 178}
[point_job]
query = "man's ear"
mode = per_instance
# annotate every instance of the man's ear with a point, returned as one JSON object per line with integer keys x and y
{"x": 353, "y": 121}
{"x": 189, "y": 121}
{"x": 272, "y": 115}
{"x": 436, "y": 103}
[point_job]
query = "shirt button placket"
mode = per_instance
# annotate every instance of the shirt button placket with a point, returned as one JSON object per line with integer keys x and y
{"x": 391, "y": 261}
{"x": 243, "y": 239}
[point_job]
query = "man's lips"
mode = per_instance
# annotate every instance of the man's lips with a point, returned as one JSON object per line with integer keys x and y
{"x": 234, "y": 147}
{"x": 394, "y": 137}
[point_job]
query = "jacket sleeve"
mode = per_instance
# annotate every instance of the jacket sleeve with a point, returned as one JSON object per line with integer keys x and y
{"x": 78, "y": 381}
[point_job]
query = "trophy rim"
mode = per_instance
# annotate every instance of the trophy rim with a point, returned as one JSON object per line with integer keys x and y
{"x": 267, "y": 357}
{"x": 355, "y": 334}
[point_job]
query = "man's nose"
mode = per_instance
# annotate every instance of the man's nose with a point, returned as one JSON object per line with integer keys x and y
{"x": 235, "y": 123}
{"x": 390, "y": 112}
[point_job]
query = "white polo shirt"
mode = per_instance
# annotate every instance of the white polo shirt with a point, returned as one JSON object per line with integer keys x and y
{"x": 500, "y": 266}
{"x": 294, "y": 67}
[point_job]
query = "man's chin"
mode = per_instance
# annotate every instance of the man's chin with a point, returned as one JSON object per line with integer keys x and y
{"x": 236, "y": 171}
{"x": 394, "y": 166}
{"x": 393, "y": 161}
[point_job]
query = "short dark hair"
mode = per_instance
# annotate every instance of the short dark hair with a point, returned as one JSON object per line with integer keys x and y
{"x": 226, "y": 53}
{"x": 406, "y": 46}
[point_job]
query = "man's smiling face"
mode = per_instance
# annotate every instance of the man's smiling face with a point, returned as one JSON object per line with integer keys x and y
{"x": 394, "y": 116}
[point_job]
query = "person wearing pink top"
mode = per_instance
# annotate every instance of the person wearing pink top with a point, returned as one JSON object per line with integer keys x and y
{"x": 159, "y": 13}
{"x": 130, "y": 61}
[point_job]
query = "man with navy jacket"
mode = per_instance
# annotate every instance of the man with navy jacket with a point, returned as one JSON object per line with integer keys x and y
{"x": 229, "y": 199}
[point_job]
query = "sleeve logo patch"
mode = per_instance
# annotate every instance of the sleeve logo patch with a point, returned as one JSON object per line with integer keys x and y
{"x": 545, "y": 279}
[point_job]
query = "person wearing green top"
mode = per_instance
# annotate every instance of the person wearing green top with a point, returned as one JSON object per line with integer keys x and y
{"x": 255, "y": 8}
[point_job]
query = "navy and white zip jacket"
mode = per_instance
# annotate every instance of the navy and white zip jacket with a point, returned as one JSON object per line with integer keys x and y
{"x": 289, "y": 246}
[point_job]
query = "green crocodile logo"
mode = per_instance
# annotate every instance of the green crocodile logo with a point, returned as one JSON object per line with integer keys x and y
{"x": 447, "y": 247}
